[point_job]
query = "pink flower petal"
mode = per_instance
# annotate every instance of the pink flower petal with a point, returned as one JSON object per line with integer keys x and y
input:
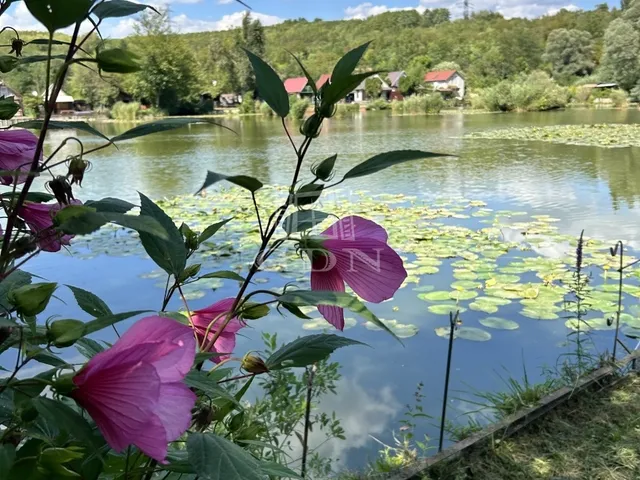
{"x": 225, "y": 343}
{"x": 121, "y": 400}
{"x": 355, "y": 228}
{"x": 331, "y": 281}
{"x": 370, "y": 267}
{"x": 174, "y": 409}
{"x": 152, "y": 440}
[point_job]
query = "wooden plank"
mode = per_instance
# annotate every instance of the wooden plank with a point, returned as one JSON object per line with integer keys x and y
{"x": 511, "y": 424}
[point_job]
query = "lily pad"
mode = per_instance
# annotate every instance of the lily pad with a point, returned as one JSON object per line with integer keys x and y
{"x": 466, "y": 284}
{"x": 484, "y": 307}
{"x": 474, "y": 334}
{"x": 600, "y": 324}
{"x": 575, "y": 325}
{"x": 499, "y": 323}
{"x": 446, "y": 308}
{"x": 463, "y": 294}
{"x": 539, "y": 314}
{"x": 464, "y": 275}
{"x": 423, "y": 288}
{"x": 437, "y": 296}
{"x": 400, "y": 329}
{"x": 494, "y": 300}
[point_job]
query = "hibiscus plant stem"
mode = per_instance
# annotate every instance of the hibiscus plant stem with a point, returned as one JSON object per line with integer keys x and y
{"x": 307, "y": 420}
{"x": 51, "y": 94}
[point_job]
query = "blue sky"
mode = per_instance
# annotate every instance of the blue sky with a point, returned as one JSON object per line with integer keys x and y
{"x": 205, "y": 15}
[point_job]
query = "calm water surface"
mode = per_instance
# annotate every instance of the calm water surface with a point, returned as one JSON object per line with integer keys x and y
{"x": 585, "y": 187}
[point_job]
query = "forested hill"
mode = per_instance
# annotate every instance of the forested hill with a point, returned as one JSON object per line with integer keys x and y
{"x": 488, "y": 47}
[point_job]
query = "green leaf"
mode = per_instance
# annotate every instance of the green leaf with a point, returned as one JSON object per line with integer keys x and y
{"x": 310, "y": 80}
{"x": 45, "y": 41}
{"x": 388, "y": 159}
{"x": 227, "y": 406}
{"x": 15, "y": 279}
{"x": 89, "y": 348}
{"x": 270, "y": 87}
{"x": 211, "y": 230}
{"x": 8, "y": 108}
{"x": 348, "y": 63}
{"x": 8, "y": 63}
{"x": 7, "y": 457}
{"x": 108, "y": 320}
{"x": 169, "y": 254}
{"x": 117, "y": 60}
{"x": 244, "y": 181}
{"x": 216, "y": 458}
{"x": 295, "y": 311}
{"x": 226, "y": 274}
{"x": 208, "y": 385}
{"x": 57, "y": 14}
{"x": 118, "y": 8}
{"x": 307, "y": 350}
{"x": 57, "y": 125}
{"x": 302, "y": 298}
{"x": 254, "y": 311}
{"x": 338, "y": 89}
{"x": 109, "y": 204}
{"x": 83, "y": 220}
{"x": 37, "y": 197}
{"x": 274, "y": 469}
{"x": 162, "y": 125}
{"x": 65, "y": 419}
{"x": 303, "y": 220}
{"x": 90, "y": 303}
{"x": 308, "y": 194}
{"x": 48, "y": 358}
{"x": 39, "y": 58}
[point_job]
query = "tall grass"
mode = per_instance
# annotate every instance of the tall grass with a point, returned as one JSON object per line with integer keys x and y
{"x": 298, "y": 107}
{"x": 125, "y": 111}
{"x": 416, "y": 104}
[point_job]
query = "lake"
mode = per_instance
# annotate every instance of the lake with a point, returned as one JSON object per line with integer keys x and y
{"x": 556, "y": 190}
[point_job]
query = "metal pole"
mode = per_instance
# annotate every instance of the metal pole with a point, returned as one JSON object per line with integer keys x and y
{"x": 453, "y": 321}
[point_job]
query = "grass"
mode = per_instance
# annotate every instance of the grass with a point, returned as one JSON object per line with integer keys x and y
{"x": 595, "y": 435}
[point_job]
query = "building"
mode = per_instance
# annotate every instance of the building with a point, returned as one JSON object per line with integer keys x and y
{"x": 359, "y": 94}
{"x": 324, "y": 78}
{"x": 298, "y": 86}
{"x": 447, "y": 82}
{"x": 5, "y": 91}
{"x": 64, "y": 103}
{"x": 393, "y": 79}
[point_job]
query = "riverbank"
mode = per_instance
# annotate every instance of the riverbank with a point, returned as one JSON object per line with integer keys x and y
{"x": 592, "y": 436}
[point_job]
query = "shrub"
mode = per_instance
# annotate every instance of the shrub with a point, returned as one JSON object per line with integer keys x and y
{"x": 534, "y": 92}
{"x": 618, "y": 97}
{"x": 125, "y": 111}
{"x": 345, "y": 109}
{"x": 378, "y": 104}
{"x": 266, "y": 110}
{"x": 298, "y": 107}
{"x": 634, "y": 94}
{"x": 429, "y": 103}
{"x": 248, "y": 105}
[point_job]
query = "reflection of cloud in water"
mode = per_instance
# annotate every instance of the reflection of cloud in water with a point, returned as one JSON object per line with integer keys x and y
{"x": 549, "y": 249}
{"x": 362, "y": 412}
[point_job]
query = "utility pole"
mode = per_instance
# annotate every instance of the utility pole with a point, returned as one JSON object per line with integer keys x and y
{"x": 466, "y": 9}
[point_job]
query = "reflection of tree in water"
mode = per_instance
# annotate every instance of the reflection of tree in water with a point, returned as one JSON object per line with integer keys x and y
{"x": 620, "y": 168}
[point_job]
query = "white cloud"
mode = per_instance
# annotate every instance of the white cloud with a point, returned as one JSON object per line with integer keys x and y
{"x": 185, "y": 24}
{"x": 225, "y": 2}
{"x": 507, "y": 8}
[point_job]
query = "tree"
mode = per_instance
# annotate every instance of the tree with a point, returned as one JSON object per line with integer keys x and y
{"x": 87, "y": 85}
{"x": 373, "y": 87}
{"x": 621, "y": 50}
{"x": 570, "y": 53}
{"x": 253, "y": 40}
{"x": 435, "y": 16}
{"x": 167, "y": 76}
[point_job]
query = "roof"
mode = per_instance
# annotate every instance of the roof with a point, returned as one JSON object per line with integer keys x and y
{"x": 7, "y": 91}
{"x": 62, "y": 97}
{"x": 383, "y": 84}
{"x": 606, "y": 85}
{"x": 439, "y": 75}
{"x": 394, "y": 78}
{"x": 324, "y": 78}
{"x": 295, "y": 85}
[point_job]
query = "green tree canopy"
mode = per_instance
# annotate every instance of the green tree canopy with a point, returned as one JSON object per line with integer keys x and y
{"x": 570, "y": 53}
{"x": 621, "y": 50}
{"x": 373, "y": 87}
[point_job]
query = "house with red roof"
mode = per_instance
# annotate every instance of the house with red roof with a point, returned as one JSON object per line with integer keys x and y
{"x": 298, "y": 86}
{"x": 324, "y": 78}
{"x": 447, "y": 82}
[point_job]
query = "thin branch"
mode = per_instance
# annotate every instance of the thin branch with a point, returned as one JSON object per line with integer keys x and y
{"x": 255, "y": 205}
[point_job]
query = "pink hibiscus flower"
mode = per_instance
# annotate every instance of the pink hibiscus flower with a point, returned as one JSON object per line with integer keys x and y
{"x": 354, "y": 250}
{"x": 39, "y": 218}
{"x": 207, "y": 322}
{"x": 134, "y": 391}
{"x": 17, "y": 149}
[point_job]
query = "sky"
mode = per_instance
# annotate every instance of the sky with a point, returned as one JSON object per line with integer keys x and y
{"x": 207, "y": 15}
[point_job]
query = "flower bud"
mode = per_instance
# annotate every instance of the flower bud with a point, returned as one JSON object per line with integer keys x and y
{"x": 63, "y": 385}
{"x": 203, "y": 417}
{"x": 5, "y": 332}
{"x": 77, "y": 167}
{"x": 253, "y": 364}
{"x": 16, "y": 47}
{"x": 324, "y": 170}
{"x": 23, "y": 246}
{"x": 30, "y": 300}
{"x": 64, "y": 333}
{"x": 61, "y": 189}
{"x": 311, "y": 126}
